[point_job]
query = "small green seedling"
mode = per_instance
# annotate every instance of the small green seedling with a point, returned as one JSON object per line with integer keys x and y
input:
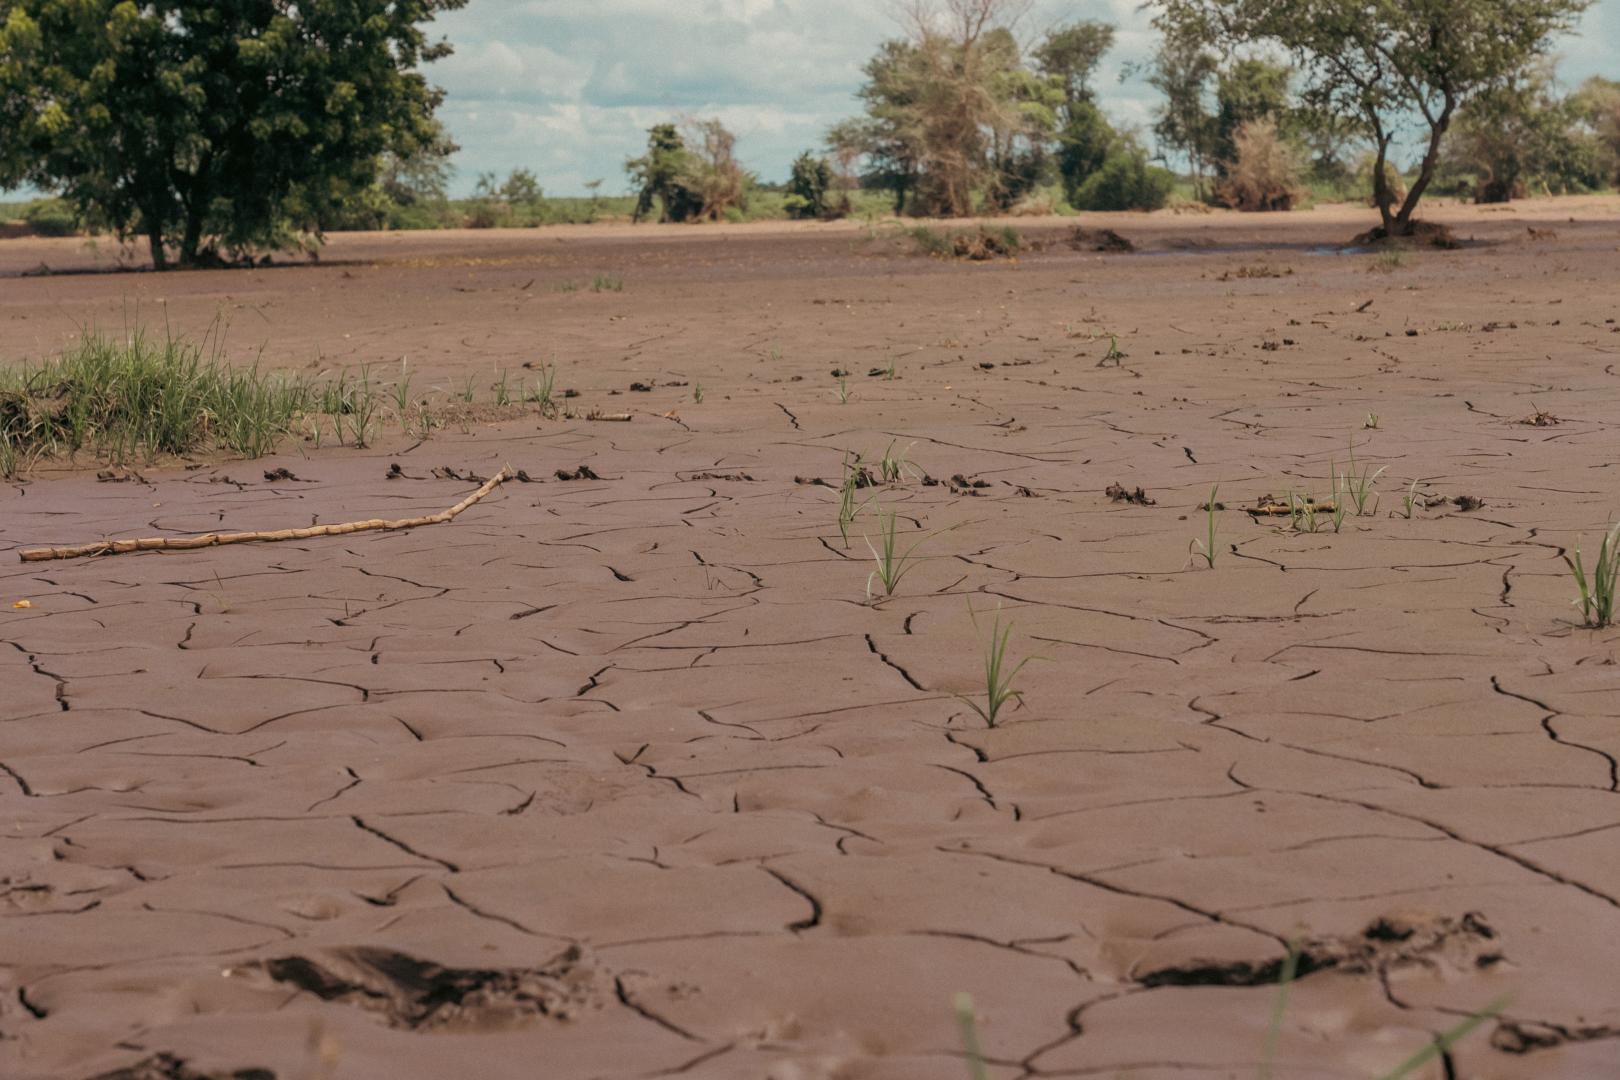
{"x": 1113, "y": 355}
{"x": 1371, "y": 423}
{"x": 1596, "y": 599}
{"x": 362, "y": 408}
{"x": 998, "y": 677}
{"x": 1339, "y": 501}
{"x": 892, "y": 563}
{"x": 697, "y": 393}
{"x": 843, "y": 390}
{"x": 893, "y": 467}
{"x": 545, "y": 388}
{"x": 503, "y": 392}
{"x": 848, "y": 507}
{"x": 1360, "y": 487}
{"x": 402, "y": 394}
{"x": 1302, "y": 513}
{"x": 468, "y": 390}
{"x": 1410, "y": 501}
{"x": 1205, "y": 548}
{"x": 968, "y": 1025}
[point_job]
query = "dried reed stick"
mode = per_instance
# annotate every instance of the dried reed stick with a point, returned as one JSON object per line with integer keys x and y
{"x": 191, "y": 543}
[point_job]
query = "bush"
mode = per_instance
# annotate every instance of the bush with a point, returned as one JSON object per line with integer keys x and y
{"x": 52, "y": 217}
{"x": 974, "y": 245}
{"x": 1125, "y": 182}
{"x": 810, "y": 191}
{"x": 1264, "y": 171}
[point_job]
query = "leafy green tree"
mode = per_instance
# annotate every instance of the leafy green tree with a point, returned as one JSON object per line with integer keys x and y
{"x": 1597, "y": 104}
{"x": 687, "y": 183}
{"x": 1246, "y": 91}
{"x": 1071, "y": 53}
{"x": 952, "y": 110}
{"x": 1521, "y": 135}
{"x": 1069, "y": 56}
{"x": 1182, "y": 70}
{"x": 889, "y": 138}
{"x": 810, "y": 189}
{"x": 1385, "y": 66}
{"x": 209, "y": 124}
{"x": 1084, "y": 143}
{"x": 658, "y": 172}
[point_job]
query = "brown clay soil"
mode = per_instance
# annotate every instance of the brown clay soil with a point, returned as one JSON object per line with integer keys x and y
{"x": 623, "y": 777}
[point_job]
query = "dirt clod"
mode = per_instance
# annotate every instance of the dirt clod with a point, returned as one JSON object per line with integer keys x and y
{"x": 420, "y": 995}
{"x": 1119, "y": 493}
{"x": 1105, "y": 240}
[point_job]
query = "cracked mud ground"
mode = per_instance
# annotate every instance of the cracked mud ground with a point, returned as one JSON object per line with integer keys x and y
{"x": 621, "y": 777}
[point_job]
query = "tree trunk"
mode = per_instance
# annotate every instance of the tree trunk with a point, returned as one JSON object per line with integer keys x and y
{"x": 1381, "y": 193}
{"x": 192, "y": 238}
{"x": 1431, "y": 161}
{"x": 154, "y": 237}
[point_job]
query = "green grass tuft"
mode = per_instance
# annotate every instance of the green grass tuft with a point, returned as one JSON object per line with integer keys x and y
{"x": 1596, "y": 599}
{"x": 998, "y": 677}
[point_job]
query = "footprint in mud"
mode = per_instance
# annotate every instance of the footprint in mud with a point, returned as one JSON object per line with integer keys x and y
{"x": 169, "y": 1067}
{"x": 1440, "y": 944}
{"x": 419, "y": 995}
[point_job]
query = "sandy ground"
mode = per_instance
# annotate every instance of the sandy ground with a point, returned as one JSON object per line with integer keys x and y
{"x": 624, "y": 777}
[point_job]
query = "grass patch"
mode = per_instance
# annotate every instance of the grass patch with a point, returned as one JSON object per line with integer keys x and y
{"x": 1387, "y": 261}
{"x": 142, "y": 398}
{"x": 139, "y": 398}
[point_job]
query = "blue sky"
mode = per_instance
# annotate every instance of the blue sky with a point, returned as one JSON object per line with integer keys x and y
{"x": 567, "y": 88}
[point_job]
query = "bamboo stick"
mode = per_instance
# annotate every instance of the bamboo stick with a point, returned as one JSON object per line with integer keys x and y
{"x": 192, "y": 543}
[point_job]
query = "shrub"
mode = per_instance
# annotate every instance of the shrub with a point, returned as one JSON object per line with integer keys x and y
{"x": 810, "y": 191}
{"x": 1264, "y": 171}
{"x": 1125, "y": 182}
{"x": 51, "y": 217}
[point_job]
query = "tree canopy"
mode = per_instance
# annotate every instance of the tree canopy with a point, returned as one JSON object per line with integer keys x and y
{"x": 212, "y": 124}
{"x": 1385, "y": 66}
{"x": 960, "y": 115}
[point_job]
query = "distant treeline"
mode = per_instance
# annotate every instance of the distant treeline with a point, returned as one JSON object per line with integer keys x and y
{"x": 263, "y": 126}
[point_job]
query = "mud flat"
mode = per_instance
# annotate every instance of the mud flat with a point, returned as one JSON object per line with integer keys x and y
{"x": 624, "y": 776}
